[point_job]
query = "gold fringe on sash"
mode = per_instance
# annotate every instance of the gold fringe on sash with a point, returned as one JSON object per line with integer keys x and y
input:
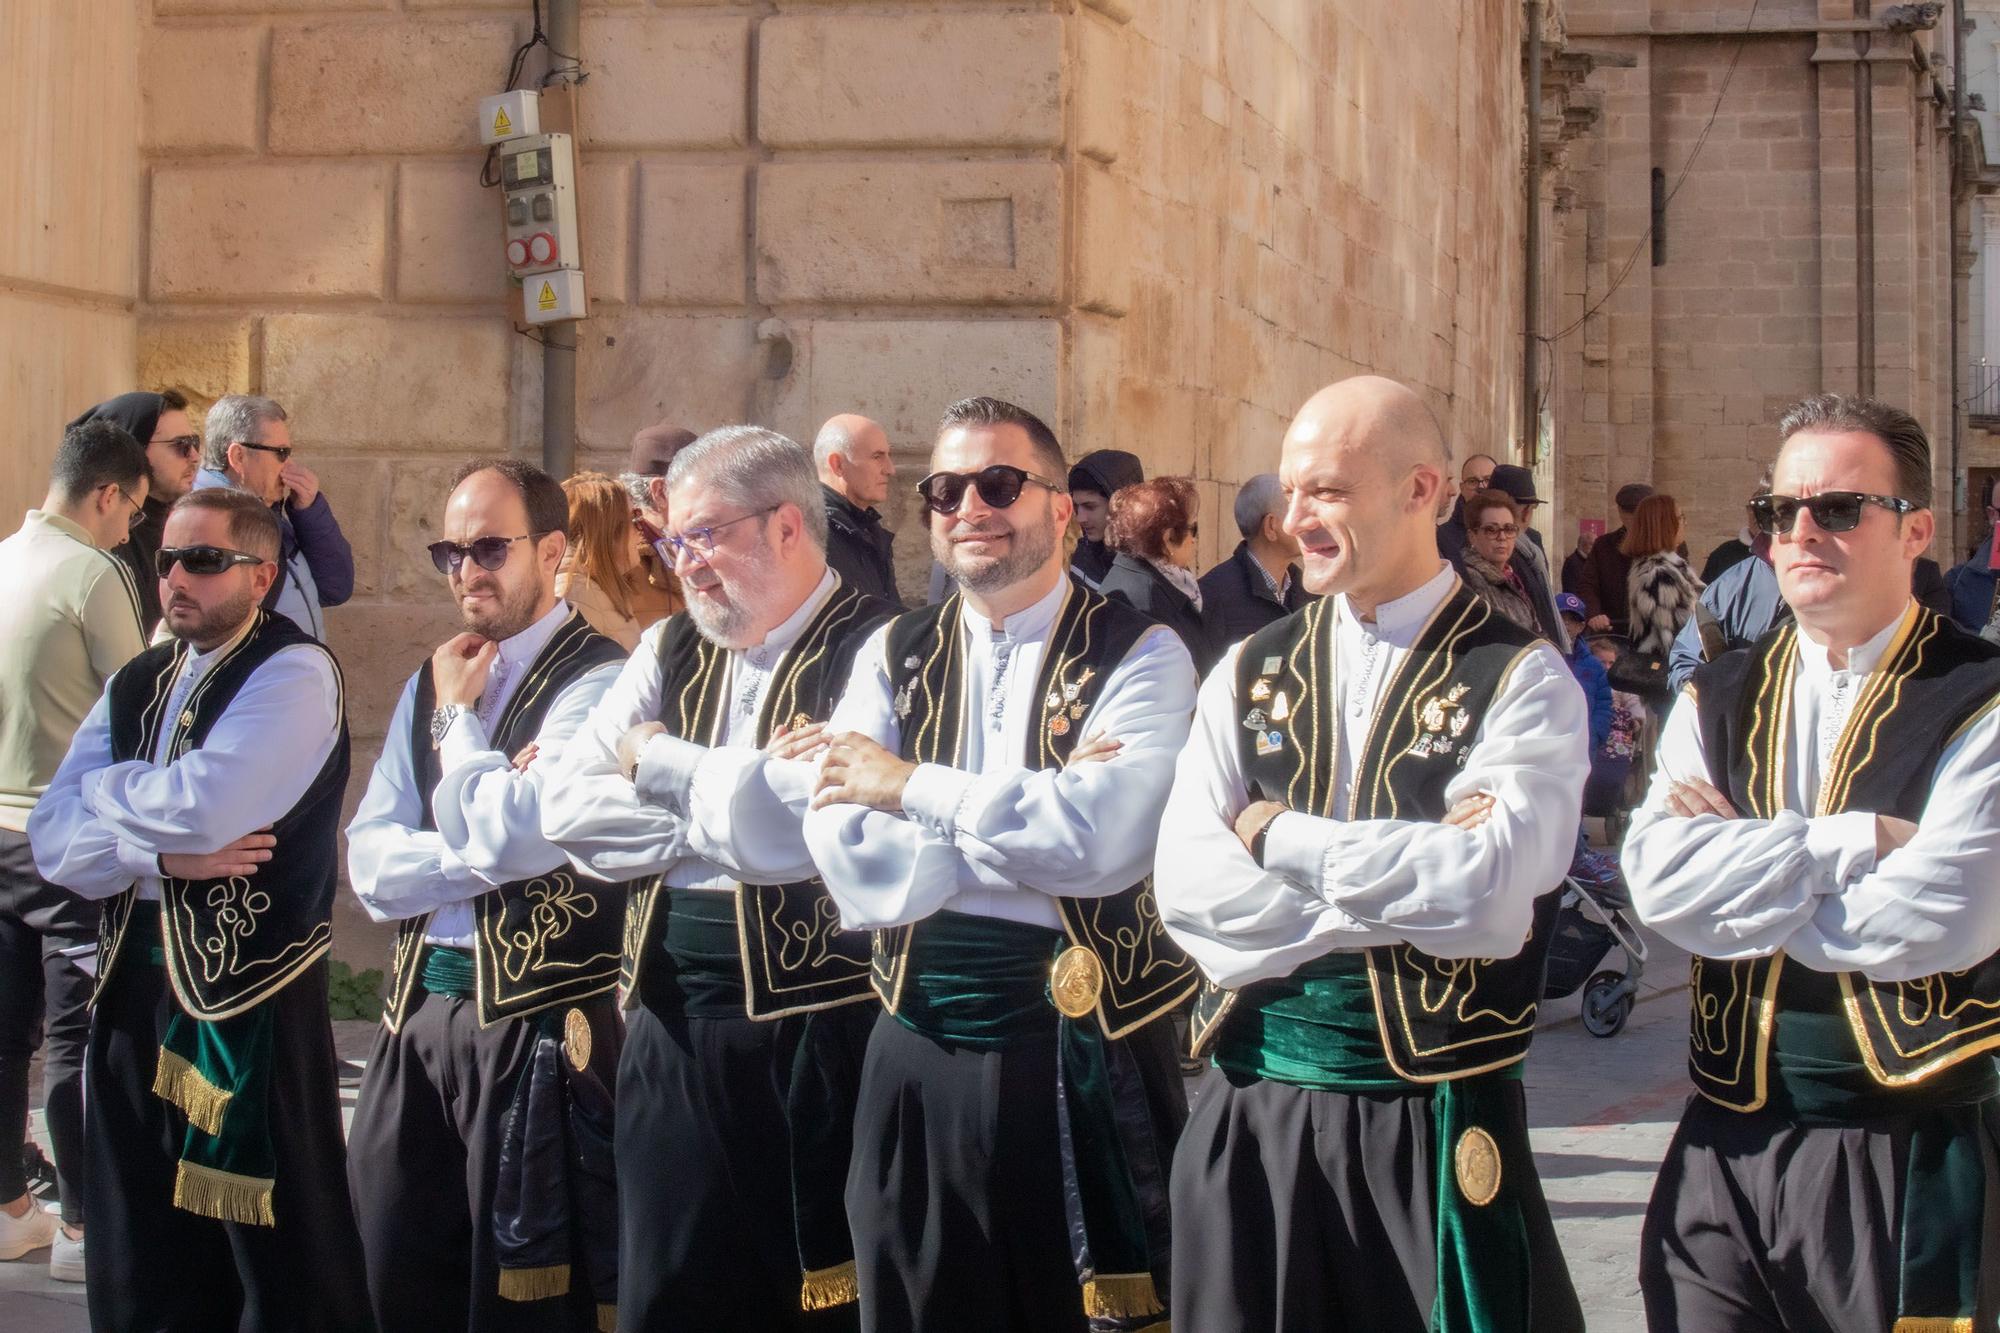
{"x": 223, "y": 1195}
{"x": 534, "y": 1284}
{"x": 1932, "y": 1324}
{"x": 607, "y": 1318}
{"x": 178, "y": 1082}
{"x": 1121, "y": 1296}
{"x": 825, "y": 1288}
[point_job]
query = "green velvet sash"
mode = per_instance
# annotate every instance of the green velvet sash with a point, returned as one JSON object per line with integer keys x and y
{"x": 218, "y": 1075}
{"x": 702, "y": 973}
{"x": 1317, "y": 1029}
{"x": 983, "y": 983}
{"x": 450, "y": 974}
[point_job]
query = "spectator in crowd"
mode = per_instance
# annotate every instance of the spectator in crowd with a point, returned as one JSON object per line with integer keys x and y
{"x": 1604, "y": 791}
{"x": 1474, "y": 476}
{"x": 1589, "y": 672}
{"x": 1573, "y": 563}
{"x": 1097, "y": 477}
{"x": 1497, "y": 570}
{"x": 1660, "y": 588}
{"x": 855, "y": 469}
{"x": 69, "y": 618}
{"x": 600, "y": 574}
{"x": 644, "y": 479}
{"x": 1260, "y": 581}
{"x": 1603, "y": 586}
{"x": 158, "y": 421}
{"x": 1974, "y": 587}
{"x": 1728, "y": 553}
{"x": 1519, "y": 484}
{"x": 248, "y": 446}
{"x": 1152, "y": 531}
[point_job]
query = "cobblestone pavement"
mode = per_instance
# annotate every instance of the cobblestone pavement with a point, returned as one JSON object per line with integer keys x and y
{"x": 1602, "y": 1111}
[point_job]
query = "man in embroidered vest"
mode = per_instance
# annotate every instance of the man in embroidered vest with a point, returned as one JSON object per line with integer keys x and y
{"x": 1021, "y": 1095}
{"x": 1378, "y": 790}
{"x": 200, "y": 802}
{"x": 1822, "y": 833}
{"x": 747, "y": 1007}
{"x": 503, "y": 946}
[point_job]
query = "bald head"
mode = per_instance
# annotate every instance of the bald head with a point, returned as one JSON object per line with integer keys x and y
{"x": 852, "y": 454}
{"x": 1364, "y": 467}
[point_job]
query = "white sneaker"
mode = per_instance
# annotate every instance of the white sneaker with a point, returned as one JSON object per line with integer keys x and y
{"x": 66, "y": 1258}
{"x": 30, "y": 1231}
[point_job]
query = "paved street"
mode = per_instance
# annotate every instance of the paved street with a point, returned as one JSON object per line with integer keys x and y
{"x": 1602, "y": 1111}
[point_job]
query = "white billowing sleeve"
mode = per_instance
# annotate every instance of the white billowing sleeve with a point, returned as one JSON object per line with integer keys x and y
{"x": 1743, "y": 888}
{"x": 490, "y": 814}
{"x": 397, "y": 869}
{"x": 239, "y": 780}
{"x": 1083, "y": 831}
{"x": 1341, "y": 884}
{"x": 589, "y": 808}
{"x": 744, "y": 809}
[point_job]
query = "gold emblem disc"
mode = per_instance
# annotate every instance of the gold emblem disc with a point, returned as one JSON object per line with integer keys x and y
{"x": 576, "y": 1038}
{"x": 1075, "y": 981}
{"x": 1477, "y": 1163}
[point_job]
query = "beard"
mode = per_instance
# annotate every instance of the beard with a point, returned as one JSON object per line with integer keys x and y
{"x": 1030, "y": 549}
{"x": 212, "y": 626}
{"x": 728, "y": 624}
{"x": 511, "y": 611}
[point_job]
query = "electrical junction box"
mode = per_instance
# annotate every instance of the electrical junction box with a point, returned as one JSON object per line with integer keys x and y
{"x": 538, "y": 178}
{"x": 552, "y": 296}
{"x": 515, "y": 115}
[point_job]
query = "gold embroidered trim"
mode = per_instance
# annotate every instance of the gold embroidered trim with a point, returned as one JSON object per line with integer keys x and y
{"x": 178, "y": 1082}
{"x": 607, "y": 1319}
{"x": 824, "y": 1288}
{"x": 534, "y": 1284}
{"x": 1121, "y": 1296}
{"x": 1931, "y": 1324}
{"x": 224, "y": 1195}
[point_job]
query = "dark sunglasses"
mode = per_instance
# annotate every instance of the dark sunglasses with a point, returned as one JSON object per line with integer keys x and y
{"x": 998, "y": 486}
{"x": 489, "y": 553}
{"x": 283, "y": 452}
{"x": 184, "y": 445}
{"x": 1497, "y": 530}
{"x": 1834, "y": 511}
{"x": 202, "y": 560}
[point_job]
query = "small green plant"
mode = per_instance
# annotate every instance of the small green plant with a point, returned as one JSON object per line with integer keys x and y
{"x": 352, "y": 994}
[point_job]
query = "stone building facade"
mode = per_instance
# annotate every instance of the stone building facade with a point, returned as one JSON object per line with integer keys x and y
{"x": 1159, "y": 224}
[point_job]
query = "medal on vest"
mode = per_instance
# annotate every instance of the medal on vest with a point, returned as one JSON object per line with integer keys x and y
{"x": 1260, "y": 690}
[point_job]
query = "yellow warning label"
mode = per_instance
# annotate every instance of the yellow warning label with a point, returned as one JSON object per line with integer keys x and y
{"x": 547, "y": 299}
{"x": 502, "y": 125}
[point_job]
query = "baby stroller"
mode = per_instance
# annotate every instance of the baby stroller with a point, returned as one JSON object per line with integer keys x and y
{"x": 1594, "y": 915}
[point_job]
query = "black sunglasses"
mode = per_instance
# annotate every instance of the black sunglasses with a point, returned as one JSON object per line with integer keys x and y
{"x": 184, "y": 445}
{"x": 998, "y": 486}
{"x": 283, "y": 452}
{"x": 202, "y": 560}
{"x": 489, "y": 553}
{"x": 1834, "y": 511}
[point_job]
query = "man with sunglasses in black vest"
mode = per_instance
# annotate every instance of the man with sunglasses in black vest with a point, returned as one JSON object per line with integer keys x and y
{"x": 200, "y": 803}
{"x": 988, "y": 809}
{"x": 499, "y": 1043}
{"x": 747, "y": 1008}
{"x": 1823, "y": 834}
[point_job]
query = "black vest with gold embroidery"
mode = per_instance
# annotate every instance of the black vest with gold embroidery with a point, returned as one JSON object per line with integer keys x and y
{"x": 796, "y": 958}
{"x": 231, "y": 943}
{"x": 1934, "y": 681}
{"x": 539, "y": 942}
{"x": 1438, "y": 1018}
{"x": 1144, "y": 974}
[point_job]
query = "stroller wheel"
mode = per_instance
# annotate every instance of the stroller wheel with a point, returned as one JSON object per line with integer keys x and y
{"x": 1604, "y": 1009}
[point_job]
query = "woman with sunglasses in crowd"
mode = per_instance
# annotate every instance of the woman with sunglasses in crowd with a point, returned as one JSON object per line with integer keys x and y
{"x": 1151, "y": 533}
{"x": 1494, "y": 568}
{"x": 603, "y": 574}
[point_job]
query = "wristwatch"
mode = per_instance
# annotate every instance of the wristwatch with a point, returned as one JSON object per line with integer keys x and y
{"x": 441, "y": 719}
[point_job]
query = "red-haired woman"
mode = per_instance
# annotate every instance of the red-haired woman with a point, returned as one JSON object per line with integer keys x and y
{"x": 1152, "y": 537}
{"x": 1661, "y": 589}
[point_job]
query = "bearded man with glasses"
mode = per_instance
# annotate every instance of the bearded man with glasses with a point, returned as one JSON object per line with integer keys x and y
{"x": 200, "y": 803}
{"x": 159, "y": 421}
{"x": 248, "y": 446}
{"x": 500, "y": 1041}
{"x": 988, "y": 808}
{"x": 747, "y": 1007}
{"x": 1823, "y": 833}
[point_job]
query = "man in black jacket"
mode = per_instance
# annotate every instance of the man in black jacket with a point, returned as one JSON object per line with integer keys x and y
{"x": 1097, "y": 476}
{"x": 1259, "y": 582}
{"x": 855, "y": 469}
{"x": 160, "y": 422}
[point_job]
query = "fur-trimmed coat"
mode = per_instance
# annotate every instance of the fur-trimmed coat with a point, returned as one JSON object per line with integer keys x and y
{"x": 1662, "y": 592}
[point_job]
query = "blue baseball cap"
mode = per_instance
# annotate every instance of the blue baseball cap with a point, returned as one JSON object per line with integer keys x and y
{"x": 1570, "y": 604}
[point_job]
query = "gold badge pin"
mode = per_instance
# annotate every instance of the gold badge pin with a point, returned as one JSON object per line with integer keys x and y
{"x": 800, "y": 721}
{"x": 576, "y": 1038}
{"x": 1058, "y": 725}
{"x": 1075, "y": 982}
{"x": 1281, "y": 707}
{"x": 1476, "y": 1162}
{"x": 1260, "y": 690}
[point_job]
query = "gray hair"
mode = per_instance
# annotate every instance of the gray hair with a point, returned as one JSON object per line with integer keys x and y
{"x": 235, "y": 418}
{"x": 1261, "y": 495}
{"x": 755, "y": 469}
{"x": 638, "y": 487}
